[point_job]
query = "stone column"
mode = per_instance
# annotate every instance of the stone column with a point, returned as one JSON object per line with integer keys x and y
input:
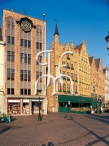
{"x": 44, "y": 106}
{"x": 21, "y": 106}
{"x": 30, "y": 106}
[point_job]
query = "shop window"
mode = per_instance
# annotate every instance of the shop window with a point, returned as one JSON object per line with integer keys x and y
{"x": 60, "y": 104}
{"x": 26, "y": 109}
{"x": 14, "y": 108}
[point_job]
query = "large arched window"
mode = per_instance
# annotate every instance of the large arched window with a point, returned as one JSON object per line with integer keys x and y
{"x": 39, "y": 38}
{"x": 10, "y": 31}
{"x": 25, "y": 39}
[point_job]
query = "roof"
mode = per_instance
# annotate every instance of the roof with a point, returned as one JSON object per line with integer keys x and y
{"x": 90, "y": 59}
{"x": 22, "y": 14}
{"x": 56, "y": 30}
{"x": 1, "y": 39}
{"x": 97, "y": 61}
{"x": 79, "y": 47}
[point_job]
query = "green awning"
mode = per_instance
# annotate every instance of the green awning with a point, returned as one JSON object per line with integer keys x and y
{"x": 77, "y": 99}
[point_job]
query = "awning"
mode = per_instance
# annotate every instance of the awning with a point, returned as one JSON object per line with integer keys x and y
{"x": 76, "y": 99}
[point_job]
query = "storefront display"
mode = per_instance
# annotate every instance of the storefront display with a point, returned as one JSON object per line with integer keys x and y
{"x": 84, "y": 109}
{"x": 13, "y": 108}
{"x": 26, "y": 109}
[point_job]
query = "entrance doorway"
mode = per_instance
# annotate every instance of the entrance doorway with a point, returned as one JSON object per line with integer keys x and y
{"x": 35, "y": 107}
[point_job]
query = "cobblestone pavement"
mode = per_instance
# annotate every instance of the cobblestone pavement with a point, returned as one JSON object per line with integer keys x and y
{"x": 56, "y": 129}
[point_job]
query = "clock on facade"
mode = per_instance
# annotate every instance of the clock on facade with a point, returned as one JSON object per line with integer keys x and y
{"x": 26, "y": 25}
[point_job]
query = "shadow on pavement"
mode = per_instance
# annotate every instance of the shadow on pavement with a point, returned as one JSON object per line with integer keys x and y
{"x": 5, "y": 129}
{"x": 49, "y": 144}
{"x": 91, "y": 132}
{"x": 99, "y": 118}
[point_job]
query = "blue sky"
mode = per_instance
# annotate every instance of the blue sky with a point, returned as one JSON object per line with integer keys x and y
{"x": 77, "y": 20}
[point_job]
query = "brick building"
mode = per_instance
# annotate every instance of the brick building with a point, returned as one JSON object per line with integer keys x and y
{"x": 78, "y": 68}
{"x": 97, "y": 88}
{"x": 24, "y": 37}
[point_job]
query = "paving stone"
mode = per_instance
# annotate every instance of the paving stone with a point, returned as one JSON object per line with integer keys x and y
{"x": 58, "y": 129}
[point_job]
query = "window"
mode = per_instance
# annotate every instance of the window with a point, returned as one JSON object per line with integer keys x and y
{"x": 10, "y": 90}
{"x": 29, "y": 75}
{"x": 13, "y": 40}
{"x": 25, "y": 75}
{"x": 29, "y": 58}
{"x": 40, "y": 76}
{"x": 25, "y": 91}
{"x": 10, "y": 74}
{"x": 37, "y": 45}
{"x": 40, "y": 46}
{"x": 21, "y": 91}
{"x": 23, "y": 58}
{"x": 37, "y": 75}
{"x": 29, "y": 91}
{"x": 10, "y": 56}
{"x": 25, "y": 43}
{"x": 9, "y": 39}
{"x": 40, "y": 59}
{"x": 29, "y": 44}
{"x": 21, "y": 42}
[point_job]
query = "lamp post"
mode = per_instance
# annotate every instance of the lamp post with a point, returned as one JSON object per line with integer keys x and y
{"x": 107, "y": 41}
{"x": 39, "y": 116}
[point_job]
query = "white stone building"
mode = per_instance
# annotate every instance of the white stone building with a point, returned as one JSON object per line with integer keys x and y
{"x": 2, "y": 48}
{"x": 106, "y": 74}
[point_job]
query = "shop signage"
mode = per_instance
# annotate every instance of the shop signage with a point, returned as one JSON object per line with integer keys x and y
{"x": 26, "y": 100}
{"x": 14, "y": 101}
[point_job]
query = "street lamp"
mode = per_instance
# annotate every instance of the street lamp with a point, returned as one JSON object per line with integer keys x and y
{"x": 107, "y": 41}
{"x": 39, "y": 116}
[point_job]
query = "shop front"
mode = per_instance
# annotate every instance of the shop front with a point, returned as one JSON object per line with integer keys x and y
{"x": 77, "y": 104}
{"x": 25, "y": 105}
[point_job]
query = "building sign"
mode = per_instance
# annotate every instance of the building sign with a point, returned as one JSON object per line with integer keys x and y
{"x": 26, "y": 24}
